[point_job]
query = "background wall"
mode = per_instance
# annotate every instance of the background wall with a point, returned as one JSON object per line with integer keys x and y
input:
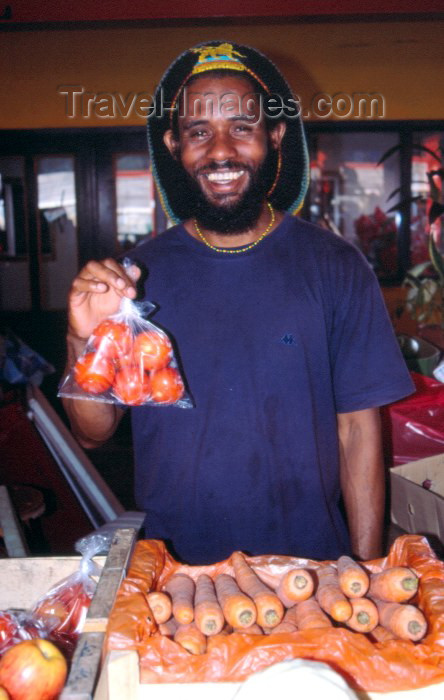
{"x": 402, "y": 60}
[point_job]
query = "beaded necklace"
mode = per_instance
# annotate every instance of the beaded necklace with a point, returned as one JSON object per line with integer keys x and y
{"x": 244, "y": 248}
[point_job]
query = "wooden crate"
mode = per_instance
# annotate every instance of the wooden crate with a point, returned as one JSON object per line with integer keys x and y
{"x": 120, "y": 674}
{"x": 24, "y": 580}
{"x": 119, "y": 680}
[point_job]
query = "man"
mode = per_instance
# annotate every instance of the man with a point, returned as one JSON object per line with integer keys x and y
{"x": 281, "y": 331}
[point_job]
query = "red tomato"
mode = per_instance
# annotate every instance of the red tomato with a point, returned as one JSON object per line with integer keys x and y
{"x": 166, "y": 385}
{"x": 132, "y": 385}
{"x": 70, "y": 592}
{"x": 53, "y": 611}
{"x": 76, "y": 602}
{"x": 77, "y": 613}
{"x": 122, "y": 361}
{"x": 153, "y": 349}
{"x": 8, "y": 628}
{"x": 94, "y": 373}
{"x": 112, "y": 338}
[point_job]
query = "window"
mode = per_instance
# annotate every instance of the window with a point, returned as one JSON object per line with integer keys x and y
{"x": 134, "y": 198}
{"x": 57, "y": 224}
{"x": 368, "y": 203}
{"x": 66, "y": 197}
{"x": 15, "y": 287}
{"x": 426, "y": 160}
{"x": 13, "y": 234}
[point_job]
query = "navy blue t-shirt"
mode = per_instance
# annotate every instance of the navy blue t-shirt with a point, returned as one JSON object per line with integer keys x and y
{"x": 273, "y": 343}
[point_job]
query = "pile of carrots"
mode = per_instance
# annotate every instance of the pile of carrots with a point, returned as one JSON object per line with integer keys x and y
{"x": 344, "y": 594}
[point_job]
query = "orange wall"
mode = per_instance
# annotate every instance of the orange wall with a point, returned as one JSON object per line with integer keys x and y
{"x": 403, "y": 61}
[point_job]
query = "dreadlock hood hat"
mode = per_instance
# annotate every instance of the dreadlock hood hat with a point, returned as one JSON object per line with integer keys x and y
{"x": 292, "y": 168}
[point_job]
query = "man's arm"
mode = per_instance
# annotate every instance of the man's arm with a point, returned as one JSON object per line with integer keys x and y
{"x": 363, "y": 480}
{"x": 95, "y": 294}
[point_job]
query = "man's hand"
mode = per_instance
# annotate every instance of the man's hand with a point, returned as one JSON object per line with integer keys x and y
{"x": 363, "y": 480}
{"x": 96, "y": 294}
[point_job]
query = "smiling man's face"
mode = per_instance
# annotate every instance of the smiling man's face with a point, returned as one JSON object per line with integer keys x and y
{"x": 223, "y": 145}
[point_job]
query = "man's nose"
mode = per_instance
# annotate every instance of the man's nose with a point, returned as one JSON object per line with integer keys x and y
{"x": 221, "y": 147}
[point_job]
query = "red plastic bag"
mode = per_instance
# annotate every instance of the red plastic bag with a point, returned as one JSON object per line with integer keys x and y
{"x": 127, "y": 360}
{"x": 414, "y": 427}
{"x": 366, "y": 665}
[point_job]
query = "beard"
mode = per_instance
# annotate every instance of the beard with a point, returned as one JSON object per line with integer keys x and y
{"x": 231, "y": 219}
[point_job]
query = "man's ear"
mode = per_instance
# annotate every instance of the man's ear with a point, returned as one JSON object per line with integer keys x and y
{"x": 171, "y": 143}
{"x": 277, "y": 133}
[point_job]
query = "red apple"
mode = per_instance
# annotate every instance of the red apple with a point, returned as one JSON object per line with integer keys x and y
{"x": 33, "y": 670}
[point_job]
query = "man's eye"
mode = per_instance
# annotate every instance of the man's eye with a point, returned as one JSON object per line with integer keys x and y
{"x": 198, "y": 133}
{"x": 242, "y": 128}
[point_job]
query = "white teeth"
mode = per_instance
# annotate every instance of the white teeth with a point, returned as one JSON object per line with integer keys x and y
{"x": 224, "y": 177}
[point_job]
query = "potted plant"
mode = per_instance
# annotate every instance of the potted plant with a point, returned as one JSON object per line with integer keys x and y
{"x": 424, "y": 282}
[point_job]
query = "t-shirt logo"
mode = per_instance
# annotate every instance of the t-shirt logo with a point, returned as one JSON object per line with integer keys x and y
{"x": 288, "y": 339}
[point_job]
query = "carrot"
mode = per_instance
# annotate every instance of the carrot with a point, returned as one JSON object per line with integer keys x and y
{"x": 405, "y": 621}
{"x": 353, "y": 580}
{"x": 160, "y": 604}
{"x": 252, "y": 629}
{"x": 208, "y": 614}
{"x": 309, "y": 615}
{"x": 381, "y": 634}
{"x": 330, "y": 597}
{"x": 294, "y": 586}
{"x": 239, "y": 610}
{"x": 289, "y": 623}
{"x": 270, "y": 610}
{"x": 282, "y": 628}
{"x": 271, "y": 580}
{"x": 394, "y": 585}
{"x": 365, "y": 615}
{"x": 191, "y": 638}
{"x": 181, "y": 589}
{"x": 168, "y": 628}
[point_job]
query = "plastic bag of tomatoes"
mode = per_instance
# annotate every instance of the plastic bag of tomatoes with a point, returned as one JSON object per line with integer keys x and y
{"x": 128, "y": 360}
{"x": 62, "y": 610}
